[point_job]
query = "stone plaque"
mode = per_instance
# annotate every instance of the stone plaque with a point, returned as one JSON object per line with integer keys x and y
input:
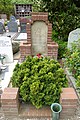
{"x": 13, "y": 26}
{"x": 73, "y": 36}
{"x": 39, "y": 32}
{"x": 6, "y": 49}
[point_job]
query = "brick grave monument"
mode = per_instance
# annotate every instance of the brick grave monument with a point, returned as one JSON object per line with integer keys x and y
{"x": 39, "y": 33}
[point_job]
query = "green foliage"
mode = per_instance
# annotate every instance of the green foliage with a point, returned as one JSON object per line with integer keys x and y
{"x": 73, "y": 60}
{"x": 39, "y": 80}
{"x": 62, "y": 45}
{"x": 6, "y": 7}
{"x": 65, "y": 22}
{"x": 22, "y": 1}
{"x": 63, "y": 14}
{"x": 78, "y": 82}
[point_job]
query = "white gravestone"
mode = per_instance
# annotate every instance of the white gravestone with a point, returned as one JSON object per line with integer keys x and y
{"x": 73, "y": 36}
{"x": 6, "y": 49}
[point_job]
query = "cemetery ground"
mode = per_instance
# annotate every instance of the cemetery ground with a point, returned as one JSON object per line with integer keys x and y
{"x": 29, "y": 112}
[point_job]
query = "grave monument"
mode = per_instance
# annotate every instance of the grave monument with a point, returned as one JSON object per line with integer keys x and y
{"x": 2, "y": 28}
{"x": 73, "y": 37}
{"x": 6, "y": 49}
{"x": 39, "y": 33}
{"x": 12, "y": 26}
{"x": 3, "y": 16}
{"x": 12, "y": 18}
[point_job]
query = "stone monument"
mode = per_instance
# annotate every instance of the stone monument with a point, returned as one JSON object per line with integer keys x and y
{"x": 12, "y": 18}
{"x": 4, "y": 16}
{"x": 12, "y": 26}
{"x": 6, "y": 49}
{"x": 2, "y": 28}
{"x": 73, "y": 37}
{"x": 39, "y": 34}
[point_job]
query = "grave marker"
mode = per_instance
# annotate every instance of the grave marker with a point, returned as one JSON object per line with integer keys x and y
{"x": 73, "y": 36}
{"x": 12, "y": 18}
{"x": 4, "y": 16}
{"x": 12, "y": 26}
{"x": 2, "y": 28}
{"x": 39, "y": 38}
{"x": 6, "y": 49}
{"x": 2, "y": 21}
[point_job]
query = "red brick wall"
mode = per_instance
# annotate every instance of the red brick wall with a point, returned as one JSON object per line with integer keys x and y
{"x": 9, "y": 102}
{"x": 69, "y": 102}
{"x": 43, "y": 16}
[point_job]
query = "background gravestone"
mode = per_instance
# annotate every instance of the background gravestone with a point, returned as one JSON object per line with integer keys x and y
{"x": 4, "y": 16}
{"x": 73, "y": 36}
{"x": 39, "y": 32}
{"x": 12, "y": 26}
{"x": 2, "y": 28}
{"x": 6, "y": 48}
{"x": 23, "y": 24}
{"x": 23, "y": 27}
{"x": 2, "y": 21}
{"x": 12, "y": 18}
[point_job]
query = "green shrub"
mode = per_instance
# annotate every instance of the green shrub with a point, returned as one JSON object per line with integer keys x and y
{"x": 39, "y": 80}
{"x": 62, "y": 45}
{"x": 72, "y": 61}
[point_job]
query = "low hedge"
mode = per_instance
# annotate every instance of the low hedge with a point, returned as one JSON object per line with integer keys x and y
{"x": 39, "y": 80}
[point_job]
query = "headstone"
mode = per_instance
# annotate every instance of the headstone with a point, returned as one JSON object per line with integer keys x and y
{"x": 73, "y": 36}
{"x": 12, "y": 18}
{"x": 23, "y": 28}
{"x": 12, "y": 26}
{"x": 23, "y": 24}
{"x": 2, "y": 21}
{"x": 4, "y": 16}
{"x": 6, "y": 49}
{"x": 39, "y": 32}
{"x": 2, "y": 28}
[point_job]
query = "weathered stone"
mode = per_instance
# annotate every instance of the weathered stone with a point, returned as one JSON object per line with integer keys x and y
{"x": 39, "y": 38}
{"x": 73, "y": 37}
{"x": 12, "y": 26}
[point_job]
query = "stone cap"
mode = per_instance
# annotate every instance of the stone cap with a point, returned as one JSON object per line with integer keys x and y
{"x": 69, "y": 93}
{"x": 9, "y": 93}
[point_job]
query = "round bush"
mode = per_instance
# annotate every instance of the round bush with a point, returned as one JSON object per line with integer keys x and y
{"x": 39, "y": 80}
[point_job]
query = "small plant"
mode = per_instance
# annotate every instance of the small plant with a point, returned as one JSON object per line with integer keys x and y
{"x": 39, "y": 80}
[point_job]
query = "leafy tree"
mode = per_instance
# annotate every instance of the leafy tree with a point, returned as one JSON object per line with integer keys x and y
{"x": 22, "y": 1}
{"x": 6, "y": 7}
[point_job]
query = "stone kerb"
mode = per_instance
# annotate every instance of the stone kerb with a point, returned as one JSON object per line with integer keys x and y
{"x": 69, "y": 102}
{"x": 9, "y": 102}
